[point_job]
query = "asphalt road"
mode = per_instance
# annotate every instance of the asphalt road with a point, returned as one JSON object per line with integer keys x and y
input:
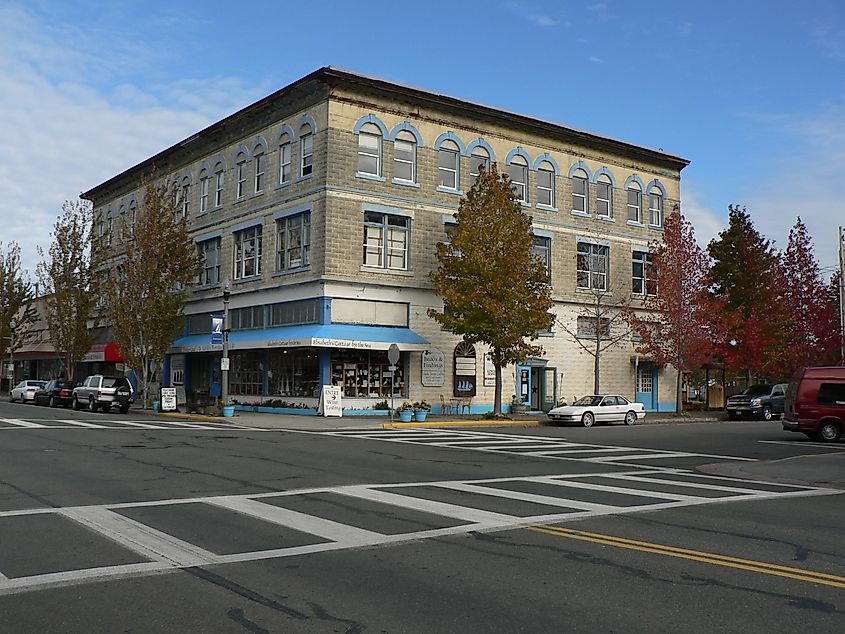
{"x": 113, "y": 523}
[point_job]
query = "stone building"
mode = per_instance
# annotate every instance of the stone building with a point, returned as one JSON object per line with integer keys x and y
{"x": 321, "y": 205}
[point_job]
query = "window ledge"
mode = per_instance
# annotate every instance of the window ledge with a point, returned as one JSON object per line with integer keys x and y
{"x": 206, "y": 287}
{"x": 217, "y": 208}
{"x": 404, "y": 183}
{"x": 546, "y": 207}
{"x": 304, "y": 178}
{"x": 525, "y": 204}
{"x": 256, "y": 194}
{"x": 383, "y": 271}
{"x": 449, "y": 190}
{"x": 299, "y": 269}
{"x": 590, "y": 291}
{"x": 580, "y": 214}
{"x": 243, "y": 280}
{"x": 656, "y": 227}
{"x": 370, "y": 177}
{"x": 283, "y": 185}
{"x": 634, "y": 223}
{"x": 546, "y": 334}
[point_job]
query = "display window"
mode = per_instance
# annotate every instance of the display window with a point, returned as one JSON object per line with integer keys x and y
{"x": 366, "y": 374}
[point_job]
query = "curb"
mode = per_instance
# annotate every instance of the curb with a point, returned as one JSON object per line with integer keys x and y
{"x": 202, "y": 417}
{"x": 464, "y": 423}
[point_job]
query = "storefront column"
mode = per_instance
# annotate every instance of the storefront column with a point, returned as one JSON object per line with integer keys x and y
{"x": 265, "y": 376}
{"x": 325, "y": 355}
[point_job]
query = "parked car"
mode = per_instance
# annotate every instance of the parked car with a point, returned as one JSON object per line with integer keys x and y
{"x": 599, "y": 408}
{"x": 815, "y": 403}
{"x": 99, "y": 391}
{"x": 757, "y": 401}
{"x": 56, "y": 392}
{"x": 25, "y": 391}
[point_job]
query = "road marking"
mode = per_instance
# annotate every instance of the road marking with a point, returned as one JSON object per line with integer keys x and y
{"x": 696, "y": 555}
{"x": 80, "y": 423}
{"x": 529, "y": 497}
{"x": 691, "y": 485}
{"x": 20, "y": 423}
{"x": 802, "y": 443}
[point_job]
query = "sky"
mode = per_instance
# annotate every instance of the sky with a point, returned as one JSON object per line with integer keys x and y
{"x": 751, "y": 92}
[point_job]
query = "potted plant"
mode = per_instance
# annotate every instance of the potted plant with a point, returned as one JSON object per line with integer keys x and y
{"x": 406, "y": 411}
{"x": 517, "y": 406}
{"x": 421, "y": 410}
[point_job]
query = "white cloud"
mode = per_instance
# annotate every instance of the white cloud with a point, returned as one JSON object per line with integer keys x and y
{"x": 528, "y": 12}
{"x": 706, "y": 222}
{"x": 61, "y": 133}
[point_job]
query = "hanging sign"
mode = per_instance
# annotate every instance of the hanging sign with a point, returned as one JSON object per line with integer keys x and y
{"x": 217, "y": 330}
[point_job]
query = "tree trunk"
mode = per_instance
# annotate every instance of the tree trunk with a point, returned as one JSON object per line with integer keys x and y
{"x": 497, "y": 398}
{"x": 679, "y": 399}
{"x": 597, "y": 368}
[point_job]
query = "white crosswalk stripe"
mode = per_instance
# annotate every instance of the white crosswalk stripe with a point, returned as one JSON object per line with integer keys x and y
{"x": 8, "y": 424}
{"x": 652, "y": 489}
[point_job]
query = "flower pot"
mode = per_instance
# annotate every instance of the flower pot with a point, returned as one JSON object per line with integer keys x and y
{"x": 420, "y": 415}
{"x": 228, "y": 411}
{"x": 156, "y": 406}
{"x": 405, "y": 415}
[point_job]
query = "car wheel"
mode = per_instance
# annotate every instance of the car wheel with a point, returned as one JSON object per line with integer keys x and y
{"x": 76, "y": 406}
{"x": 92, "y": 404}
{"x": 829, "y": 431}
{"x": 766, "y": 414}
{"x": 732, "y": 416}
{"x": 588, "y": 419}
{"x": 52, "y": 402}
{"x": 11, "y": 398}
{"x": 124, "y": 409}
{"x": 630, "y": 418}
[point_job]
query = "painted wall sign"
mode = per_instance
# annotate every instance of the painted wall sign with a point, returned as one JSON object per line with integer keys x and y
{"x": 433, "y": 368}
{"x": 489, "y": 371}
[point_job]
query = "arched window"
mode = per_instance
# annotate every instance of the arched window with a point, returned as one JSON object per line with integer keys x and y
{"x": 480, "y": 158}
{"x": 604, "y": 196}
{"x": 218, "y": 184}
{"x": 655, "y": 207}
{"x": 405, "y": 157}
{"x": 203, "y": 191}
{"x": 284, "y": 159}
{"x": 518, "y": 171}
{"x": 580, "y": 200}
{"x": 449, "y": 164}
{"x": 369, "y": 150}
{"x": 546, "y": 184}
{"x": 306, "y": 151}
{"x": 185, "y": 196}
{"x": 635, "y": 202}
{"x": 464, "y": 374}
{"x": 133, "y": 218}
{"x": 240, "y": 185}
{"x": 258, "y": 162}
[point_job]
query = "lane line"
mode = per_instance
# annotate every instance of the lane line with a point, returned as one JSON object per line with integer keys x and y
{"x": 715, "y": 559}
{"x": 532, "y": 497}
{"x": 693, "y": 499}
{"x": 20, "y": 423}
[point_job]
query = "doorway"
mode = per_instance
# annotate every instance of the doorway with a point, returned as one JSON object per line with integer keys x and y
{"x": 647, "y": 386}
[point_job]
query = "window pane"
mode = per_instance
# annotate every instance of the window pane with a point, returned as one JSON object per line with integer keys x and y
{"x": 367, "y": 164}
{"x": 368, "y": 143}
{"x": 403, "y": 171}
{"x": 403, "y": 150}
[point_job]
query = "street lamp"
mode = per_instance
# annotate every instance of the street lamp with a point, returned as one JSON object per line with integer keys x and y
{"x": 224, "y": 362}
{"x": 13, "y": 323}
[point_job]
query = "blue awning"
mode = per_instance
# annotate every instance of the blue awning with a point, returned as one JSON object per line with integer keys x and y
{"x": 311, "y": 335}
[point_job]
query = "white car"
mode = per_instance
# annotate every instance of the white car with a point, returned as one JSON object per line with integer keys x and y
{"x": 25, "y": 391}
{"x": 599, "y": 408}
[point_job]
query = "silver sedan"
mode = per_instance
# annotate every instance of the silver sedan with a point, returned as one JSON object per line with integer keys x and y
{"x": 25, "y": 391}
{"x": 599, "y": 408}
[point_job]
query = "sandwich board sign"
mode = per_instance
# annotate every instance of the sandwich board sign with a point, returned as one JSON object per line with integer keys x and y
{"x": 168, "y": 399}
{"x": 330, "y": 401}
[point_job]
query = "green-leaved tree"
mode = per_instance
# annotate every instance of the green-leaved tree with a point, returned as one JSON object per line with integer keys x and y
{"x": 151, "y": 269}
{"x": 494, "y": 289}
{"x": 70, "y": 280}
{"x": 16, "y": 311}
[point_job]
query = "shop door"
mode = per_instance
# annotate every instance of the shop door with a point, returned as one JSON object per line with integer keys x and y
{"x": 549, "y": 389}
{"x": 647, "y": 387}
{"x": 523, "y": 384}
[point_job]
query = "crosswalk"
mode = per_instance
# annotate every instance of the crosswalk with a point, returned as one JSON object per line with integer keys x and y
{"x": 527, "y": 445}
{"x": 155, "y": 537}
{"x": 7, "y": 424}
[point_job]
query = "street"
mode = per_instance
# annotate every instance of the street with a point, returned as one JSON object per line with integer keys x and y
{"x": 137, "y": 523}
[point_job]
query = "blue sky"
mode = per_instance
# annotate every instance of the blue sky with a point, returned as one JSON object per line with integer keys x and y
{"x": 753, "y": 93}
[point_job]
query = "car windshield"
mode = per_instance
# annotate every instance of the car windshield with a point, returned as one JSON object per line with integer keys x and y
{"x": 109, "y": 381}
{"x": 588, "y": 400}
{"x": 758, "y": 390}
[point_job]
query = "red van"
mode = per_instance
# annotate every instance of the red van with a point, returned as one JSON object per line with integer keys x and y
{"x": 815, "y": 403}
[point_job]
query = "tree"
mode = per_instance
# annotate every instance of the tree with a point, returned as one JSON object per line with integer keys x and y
{"x": 680, "y": 327}
{"x": 746, "y": 279}
{"x": 494, "y": 289}
{"x": 15, "y": 300}
{"x": 70, "y": 282}
{"x": 813, "y": 335}
{"x": 146, "y": 287}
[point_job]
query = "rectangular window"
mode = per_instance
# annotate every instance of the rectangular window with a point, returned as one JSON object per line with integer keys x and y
{"x": 241, "y": 186}
{"x": 369, "y": 154}
{"x": 476, "y": 162}
{"x": 635, "y": 199}
{"x": 643, "y": 281}
{"x": 545, "y": 188}
{"x": 293, "y": 241}
{"x": 589, "y": 327}
{"x": 519, "y": 181}
{"x": 218, "y": 189}
{"x": 306, "y": 311}
{"x": 386, "y": 240}
{"x": 210, "y": 250}
{"x": 306, "y": 150}
{"x": 259, "y": 173}
{"x": 655, "y": 207}
{"x": 203, "y": 195}
{"x": 404, "y": 160}
{"x": 247, "y": 253}
{"x": 592, "y": 266}
{"x": 284, "y": 163}
{"x": 108, "y": 232}
{"x": 543, "y": 249}
{"x": 447, "y": 167}
{"x": 579, "y": 194}
{"x": 246, "y": 318}
{"x": 186, "y": 200}
{"x": 604, "y": 205}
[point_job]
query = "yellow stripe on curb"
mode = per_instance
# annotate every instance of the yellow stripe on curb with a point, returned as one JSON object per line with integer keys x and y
{"x": 464, "y": 423}
{"x": 788, "y": 572}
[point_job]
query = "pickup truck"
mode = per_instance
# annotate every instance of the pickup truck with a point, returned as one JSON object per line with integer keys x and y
{"x": 758, "y": 401}
{"x": 99, "y": 391}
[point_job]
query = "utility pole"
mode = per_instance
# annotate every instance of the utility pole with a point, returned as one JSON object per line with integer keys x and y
{"x": 224, "y": 362}
{"x": 842, "y": 293}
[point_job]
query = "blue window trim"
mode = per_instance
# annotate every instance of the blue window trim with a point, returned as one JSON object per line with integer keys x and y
{"x": 259, "y": 143}
{"x": 220, "y": 160}
{"x": 451, "y": 136}
{"x": 518, "y": 151}
{"x": 370, "y": 177}
{"x": 285, "y": 129}
{"x": 404, "y": 183}
{"x": 292, "y": 211}
{"x": 241, "y": 149}
{"x": 205, "y": 237}
{"x": 479, "y": 142}
{"x": 546, "y": 207}
{"x": 406, "y": 126}
{"x": 633, "y": 178}
{"x": 371, "y": 118}
{"x": 306, "y": 118}
{"x": 656, "y": 183}
{"x": 246, "y": 224}
{"x": 603, "y": 171}
{"x": 180, "y": 176}
{"x": 384, "y": 209}
{"x": 581, "y": 165}
{"x": 545, "y": 156}
{"x": 449, "y": 190}
{"x": 543, "y": 233}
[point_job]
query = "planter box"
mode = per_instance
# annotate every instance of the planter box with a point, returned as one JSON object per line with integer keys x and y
{"x": 405, "y": 416}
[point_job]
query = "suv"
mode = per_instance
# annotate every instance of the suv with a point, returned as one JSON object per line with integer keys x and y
{"x": 759, "y": 401}
{"x": 815, "y": 403}
{"x": 103, "y": 391}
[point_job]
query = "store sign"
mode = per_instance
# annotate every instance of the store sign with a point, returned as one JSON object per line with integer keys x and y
{"x": 168, "y": 399}
{"x": 489, "y": 371}
{"x": 433, "y": 368}
{"x": 330, "y": 401}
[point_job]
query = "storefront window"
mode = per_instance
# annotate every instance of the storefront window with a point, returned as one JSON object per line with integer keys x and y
{"x": 294, "y": 372}
{"x": 247, "y": 374}
{"x": 365, "y": 374}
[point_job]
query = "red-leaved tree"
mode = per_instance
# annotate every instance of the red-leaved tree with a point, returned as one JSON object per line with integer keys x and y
{"x": 678, "y": 325}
